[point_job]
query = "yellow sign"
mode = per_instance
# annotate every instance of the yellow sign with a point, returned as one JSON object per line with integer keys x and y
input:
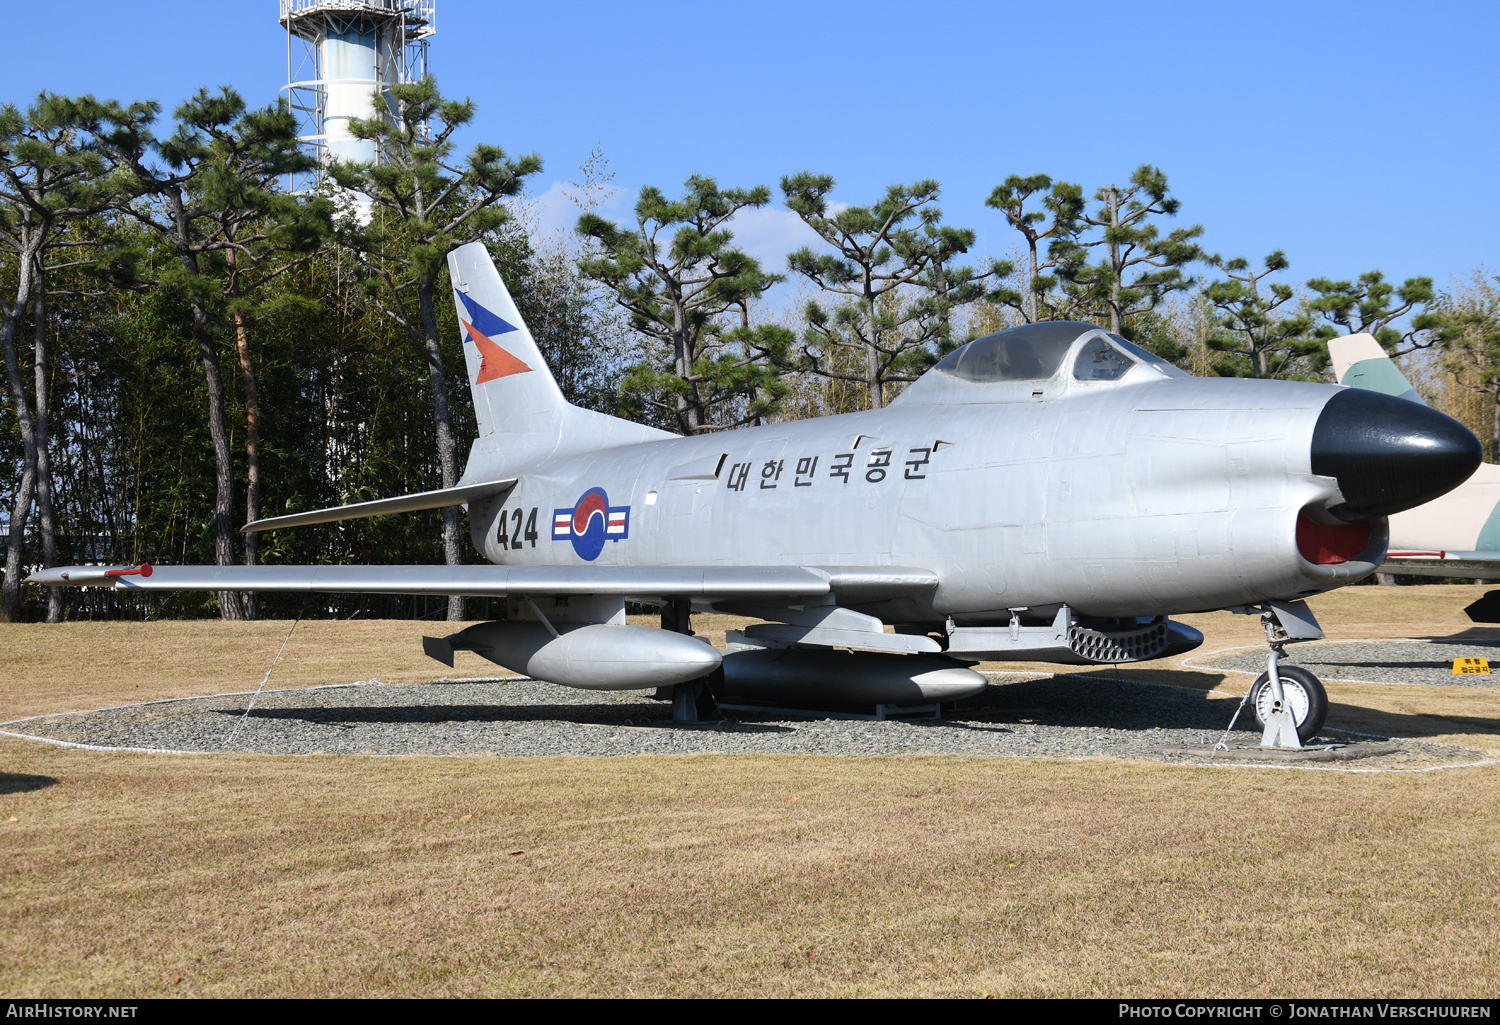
{"x": 1471, "y": 667}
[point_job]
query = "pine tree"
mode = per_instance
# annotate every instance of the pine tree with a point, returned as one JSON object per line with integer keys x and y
{"x": 1137, "y": 266}
{"x": 1064, "y": 202}
{"x": 51, "y": 176}
{"x": 1372, "y": 305}
{"x": 212, "y": 193}
{"x": 681, "y": 279}
{"x": 1257, "y": 340}
{"x": 424, "y": 206}
{"x": 896, "y": 245}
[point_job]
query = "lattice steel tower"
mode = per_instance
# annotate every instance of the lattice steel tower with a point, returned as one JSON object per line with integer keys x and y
{"x": 348, "y": 49}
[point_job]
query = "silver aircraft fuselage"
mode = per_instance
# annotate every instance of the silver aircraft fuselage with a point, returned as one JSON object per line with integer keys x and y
{"x": 1150, "y": 495}
{"x": 1047, "y": 493}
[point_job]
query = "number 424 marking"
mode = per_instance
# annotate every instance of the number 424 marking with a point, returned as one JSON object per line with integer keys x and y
{"x": 517, "y": 537}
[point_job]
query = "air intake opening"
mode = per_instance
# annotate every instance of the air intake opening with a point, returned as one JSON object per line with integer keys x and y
{"x": 1328, "y": 546}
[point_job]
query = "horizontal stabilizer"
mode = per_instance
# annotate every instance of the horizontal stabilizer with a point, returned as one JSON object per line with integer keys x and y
{"x": 385, "y": 506}
{"x": 640, "y": 583}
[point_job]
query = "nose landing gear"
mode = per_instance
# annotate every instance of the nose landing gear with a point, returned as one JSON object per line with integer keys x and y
{"x": 1289, "y": 703}
{"x": 1293, "y": 717}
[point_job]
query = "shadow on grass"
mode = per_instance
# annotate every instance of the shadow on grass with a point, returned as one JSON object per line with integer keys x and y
{"x": 1482, "y": 635}
{"x": 22, "y": 783}
{"x": 1402, "y": 724}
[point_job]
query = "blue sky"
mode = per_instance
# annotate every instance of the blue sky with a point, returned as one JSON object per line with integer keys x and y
{"x": 1351, "y": 135}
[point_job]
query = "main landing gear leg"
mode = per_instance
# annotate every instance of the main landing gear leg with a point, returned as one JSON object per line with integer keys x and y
{"x": 677, "y": 617}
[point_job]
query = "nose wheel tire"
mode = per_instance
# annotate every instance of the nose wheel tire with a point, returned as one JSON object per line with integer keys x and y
{"x": 1304, "y": 694}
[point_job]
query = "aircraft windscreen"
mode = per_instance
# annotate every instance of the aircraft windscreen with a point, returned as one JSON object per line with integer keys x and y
{"x": 1029, "y": 353}
{"x": 1145, "y": 356}
{"x": 1100, "y": 361}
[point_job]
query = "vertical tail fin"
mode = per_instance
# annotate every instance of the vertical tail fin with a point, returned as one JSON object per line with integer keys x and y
{"x": 1360, "y": 362}
{"x": 524, "y": 419}
{"x": 513, "y": 390}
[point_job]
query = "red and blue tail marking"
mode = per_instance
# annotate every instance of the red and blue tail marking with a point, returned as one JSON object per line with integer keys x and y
{"x": 482, "y": 328}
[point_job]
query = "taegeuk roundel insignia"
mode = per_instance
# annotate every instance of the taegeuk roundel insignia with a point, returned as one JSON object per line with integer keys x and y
{"x": 590, "y": 523}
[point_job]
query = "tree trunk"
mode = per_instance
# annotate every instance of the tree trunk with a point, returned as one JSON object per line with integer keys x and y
{"x": 10, "y": 595}
{"x": 230, "y": 605}
{"x": 1114, "y": 262}
{"x": 252, "y": 454}
{"x": 1031, "y": 296}
{"x": 15, "y": 552}
{"x": 872, "y": 354}
{"x": 45, "y": 510}
{"x": 691, "y": 415}
{"x": 1495, "y": 437}
{"x": 442, "y": 418}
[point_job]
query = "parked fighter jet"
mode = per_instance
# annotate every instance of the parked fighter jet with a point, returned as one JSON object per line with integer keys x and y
{"x": 1048, "y": 493}
{"x": 1457, "y": 535}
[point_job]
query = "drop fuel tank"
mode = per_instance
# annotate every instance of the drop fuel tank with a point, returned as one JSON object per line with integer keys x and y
{"x": 802, "y": 677}
{"x": 591, "y": 656}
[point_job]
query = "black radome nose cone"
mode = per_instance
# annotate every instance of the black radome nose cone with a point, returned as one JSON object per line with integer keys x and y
{"x": 1389, "y": 454}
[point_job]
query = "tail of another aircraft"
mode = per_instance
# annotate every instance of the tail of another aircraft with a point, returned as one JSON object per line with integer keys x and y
{"x": 524, "y": 420}
{"x": 1461, "y": 525}
{"x": 1360, "y": 362}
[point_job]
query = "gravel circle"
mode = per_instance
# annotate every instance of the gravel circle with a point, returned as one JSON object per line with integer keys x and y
{"x": 1061, "y": 716}
{"x": 1425, "y": 663}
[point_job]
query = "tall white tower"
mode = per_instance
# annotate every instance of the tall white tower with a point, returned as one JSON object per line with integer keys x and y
{"x": 338, "y": 52}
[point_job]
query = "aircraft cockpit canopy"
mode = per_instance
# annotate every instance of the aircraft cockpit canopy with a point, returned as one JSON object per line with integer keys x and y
{"x": 1035, "y": 352}
{"x": 1029, "y": 353}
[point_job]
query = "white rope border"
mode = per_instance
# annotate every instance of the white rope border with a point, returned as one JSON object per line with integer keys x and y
{"x": 99, "y": 747}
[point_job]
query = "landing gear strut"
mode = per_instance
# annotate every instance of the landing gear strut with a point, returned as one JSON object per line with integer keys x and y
{"x": 691, "y": 700}
{"x": 1289, "y": 703}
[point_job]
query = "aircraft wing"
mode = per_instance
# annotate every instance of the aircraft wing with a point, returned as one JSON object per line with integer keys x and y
{"x": 641, "y": 583}
{"x": 385, "y": 506}
{"x": 1474, "y": 565}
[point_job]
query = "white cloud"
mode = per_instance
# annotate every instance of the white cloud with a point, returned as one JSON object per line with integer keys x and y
{"x": 770, "y": 233}
{"x": 547, "y": 216}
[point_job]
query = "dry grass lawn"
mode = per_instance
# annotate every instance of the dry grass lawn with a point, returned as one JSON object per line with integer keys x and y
{"x": 140, "y": 875}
